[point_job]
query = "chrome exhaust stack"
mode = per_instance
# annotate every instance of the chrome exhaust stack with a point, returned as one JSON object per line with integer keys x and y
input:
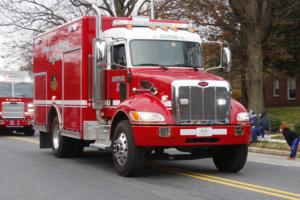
{"x": 152, "y": 9}
{"x": 97, "y": 11}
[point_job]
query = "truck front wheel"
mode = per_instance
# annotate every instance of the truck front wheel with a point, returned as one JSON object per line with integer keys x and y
{"x": 231, "y": 158}
{"x": 61, "y": 146}
{"x": 128, "y": 159}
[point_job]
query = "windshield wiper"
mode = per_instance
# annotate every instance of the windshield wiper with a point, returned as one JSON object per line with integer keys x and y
{"x": 184, "y": 65}
{"x": 153, "y": 64}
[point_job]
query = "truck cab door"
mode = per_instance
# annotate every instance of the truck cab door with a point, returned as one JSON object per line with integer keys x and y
{"x": 117, "y": 74}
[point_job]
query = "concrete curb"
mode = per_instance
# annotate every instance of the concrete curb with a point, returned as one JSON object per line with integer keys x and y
{"x": 271, "y": 151}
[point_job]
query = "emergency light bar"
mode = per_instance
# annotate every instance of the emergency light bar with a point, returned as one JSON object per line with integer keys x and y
{"x": 16, "y": 76}
{"x": 145, "y": 22}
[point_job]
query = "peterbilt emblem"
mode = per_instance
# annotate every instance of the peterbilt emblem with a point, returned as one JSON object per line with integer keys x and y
{"x": 184, "y": 101}
{"x": 203, "y": 84}
{"x": 54, "y": 83}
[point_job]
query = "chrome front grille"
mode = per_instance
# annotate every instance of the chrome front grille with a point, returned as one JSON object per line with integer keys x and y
{"x": 194, "y": 104}
{"x": 13, "y": 110}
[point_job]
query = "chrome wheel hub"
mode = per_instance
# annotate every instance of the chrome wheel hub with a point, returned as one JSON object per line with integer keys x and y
{"x": 55, "y": 137}
{"x": 120, "y": 149}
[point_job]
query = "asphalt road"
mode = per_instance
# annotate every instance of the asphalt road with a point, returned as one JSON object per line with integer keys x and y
{"x": 28, "y": 173}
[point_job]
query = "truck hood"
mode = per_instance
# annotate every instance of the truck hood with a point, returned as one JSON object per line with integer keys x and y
{"x": 167, "y": 76}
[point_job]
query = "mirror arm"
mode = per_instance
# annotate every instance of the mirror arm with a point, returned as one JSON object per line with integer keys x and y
{"x": 213, "y": 68}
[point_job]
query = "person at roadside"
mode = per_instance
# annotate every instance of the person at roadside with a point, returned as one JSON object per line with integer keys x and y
{"x": 255, "y": 130}
{"x": 292, "y": 139}
{"x": 264, "y": 124}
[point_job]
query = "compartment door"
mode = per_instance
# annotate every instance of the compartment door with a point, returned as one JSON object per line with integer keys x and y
{"x": 40, "y": 99}
{"x": 72, "y": 90}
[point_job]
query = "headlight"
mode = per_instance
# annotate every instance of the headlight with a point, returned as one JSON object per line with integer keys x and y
{"x": 221, "y": 102}
{"x": 30, "y": 108}
{"x": 146, "y": 117}
{"x": 242, "y": 117}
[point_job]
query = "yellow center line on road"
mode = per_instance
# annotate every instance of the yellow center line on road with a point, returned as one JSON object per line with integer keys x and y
{"x": 23, "y": 139}
{"x": 245, "y": 184}
{"x": 233, "y": 183}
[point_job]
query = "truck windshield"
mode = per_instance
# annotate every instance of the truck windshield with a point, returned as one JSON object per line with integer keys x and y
{"x": 5, "y": 90}
{"x": 166, "y": 53}
{"x": 23, "y": 90}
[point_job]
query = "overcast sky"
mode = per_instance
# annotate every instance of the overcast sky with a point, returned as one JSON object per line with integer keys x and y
{"x": 4, "y": 60}
{"x": 2, "y": 50}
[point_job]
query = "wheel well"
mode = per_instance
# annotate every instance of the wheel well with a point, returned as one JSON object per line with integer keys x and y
{"x": 118, "y": 117}
{"x": 51, "y": 115}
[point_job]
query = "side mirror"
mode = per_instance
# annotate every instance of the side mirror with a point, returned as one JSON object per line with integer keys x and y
{"x": 100, "y": 50}
{"x": 226, "y": 60}
{"x": 217, "y": 54}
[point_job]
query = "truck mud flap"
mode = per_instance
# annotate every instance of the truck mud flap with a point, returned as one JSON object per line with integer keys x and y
{"x": 45, "y": 140}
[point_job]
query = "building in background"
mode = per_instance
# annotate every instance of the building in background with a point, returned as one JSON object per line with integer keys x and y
{"x": 281, "y": 89}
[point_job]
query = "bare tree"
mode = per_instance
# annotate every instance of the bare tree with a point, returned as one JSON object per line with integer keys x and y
{"x": 22, "y": 19}
{"x": 116, "y": 8}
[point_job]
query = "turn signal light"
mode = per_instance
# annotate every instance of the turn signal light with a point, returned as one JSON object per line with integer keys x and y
{"x": 165, "y": 28}
{"x": 129, "y": 26}
{"x": 153, "y": 28}
{"x": 135, "y": 116}
{"x": 193, "y": 30}
{"x": 174, "y": 28}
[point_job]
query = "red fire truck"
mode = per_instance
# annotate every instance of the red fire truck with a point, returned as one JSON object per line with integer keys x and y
{"x": 16, "y": 106}
{"x": 136, "y": 87}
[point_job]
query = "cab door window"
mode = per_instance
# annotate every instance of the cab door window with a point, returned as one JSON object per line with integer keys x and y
{"x": 119, "y": 56}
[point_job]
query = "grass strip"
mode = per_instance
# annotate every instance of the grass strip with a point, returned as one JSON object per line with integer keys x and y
{"x": 272, "y": 145}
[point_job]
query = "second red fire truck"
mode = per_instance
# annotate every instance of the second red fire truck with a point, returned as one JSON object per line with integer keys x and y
{"x": 135, "y": 87}
{"x": 16, "y": 106}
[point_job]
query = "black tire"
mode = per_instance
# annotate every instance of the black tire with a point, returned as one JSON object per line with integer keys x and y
{"x": 135, "y": 155}
{"x": 63, "y": 147}
{"x": 29, "y": 132}
{"x": 231, "y": 158}
{"x": 5, "y": 131}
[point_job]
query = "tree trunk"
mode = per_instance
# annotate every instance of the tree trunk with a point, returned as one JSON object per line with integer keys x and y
{"x": 244, "y": 89}
{"x": 255, "y": 66}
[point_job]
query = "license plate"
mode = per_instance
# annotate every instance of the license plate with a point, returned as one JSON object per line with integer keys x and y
{"x": 204, "y": 132}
